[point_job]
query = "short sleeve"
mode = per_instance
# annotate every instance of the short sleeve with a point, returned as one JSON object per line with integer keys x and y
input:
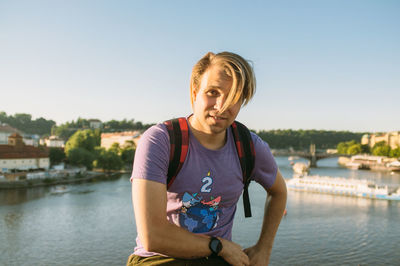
{"x": 152, "y": 155}
{"x": 265, "y": 167}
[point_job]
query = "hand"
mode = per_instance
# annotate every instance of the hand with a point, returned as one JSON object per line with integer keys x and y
{"x": 258, "y": 256}
{"x": 233, "y": 253}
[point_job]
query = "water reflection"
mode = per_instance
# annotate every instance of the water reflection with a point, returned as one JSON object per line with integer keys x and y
{"x": 328, "y": 200}
{"x": 12, "y": 219}
{"x": 17, "y": 196}
{"x": 22, "y": 195}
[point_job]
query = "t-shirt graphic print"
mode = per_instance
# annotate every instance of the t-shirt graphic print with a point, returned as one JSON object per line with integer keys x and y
{"x": 200, "y": 214}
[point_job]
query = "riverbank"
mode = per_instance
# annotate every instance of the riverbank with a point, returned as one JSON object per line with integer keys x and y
{"x": 88, "y": 176}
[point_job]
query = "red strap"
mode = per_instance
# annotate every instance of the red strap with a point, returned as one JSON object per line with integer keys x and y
{"x": 179, "y": 144}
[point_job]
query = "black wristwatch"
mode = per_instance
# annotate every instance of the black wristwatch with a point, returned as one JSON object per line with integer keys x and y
{"x": 215, "y": 246}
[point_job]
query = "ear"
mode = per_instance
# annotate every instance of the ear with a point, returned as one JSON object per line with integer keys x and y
{"x": 194, "y": 95}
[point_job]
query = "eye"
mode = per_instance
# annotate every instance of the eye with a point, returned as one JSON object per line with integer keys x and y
{"x": 212, "y": 93}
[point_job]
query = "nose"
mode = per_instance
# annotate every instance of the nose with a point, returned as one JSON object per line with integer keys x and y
{"x": 219, "y": 102}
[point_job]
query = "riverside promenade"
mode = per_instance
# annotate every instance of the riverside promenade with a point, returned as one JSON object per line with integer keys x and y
{"x": 60, "y": 179}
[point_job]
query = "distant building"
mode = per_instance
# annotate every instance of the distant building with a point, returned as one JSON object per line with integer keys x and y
{"x": 18, "y": 156}
{"x": 365, "y": 139}
{"x": 5, "y": 131}
{"x": 108, "y": 139}
{"x": 95, "y": 123}
{"x": 31, "y": 140}
{"x": 331, "y": 151}
{"x": 391, "y": 138}
{"x": 53, "y": 141}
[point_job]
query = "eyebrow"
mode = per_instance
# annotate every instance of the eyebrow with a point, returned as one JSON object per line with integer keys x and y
{"x": 213, "y": 87}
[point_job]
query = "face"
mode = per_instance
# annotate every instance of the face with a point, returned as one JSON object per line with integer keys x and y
{"x": 208, "y": 101}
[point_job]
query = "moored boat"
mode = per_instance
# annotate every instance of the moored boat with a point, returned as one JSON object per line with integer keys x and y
{"x": 343, "y": 186}
{"x": 300, "y": 168}
{"x": 370, "y": 162}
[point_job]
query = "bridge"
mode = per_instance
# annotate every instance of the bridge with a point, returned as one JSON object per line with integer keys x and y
{"x": 312, "y": 156}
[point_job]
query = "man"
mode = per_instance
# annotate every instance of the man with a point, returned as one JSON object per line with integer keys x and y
{"x": 210, "y": 181}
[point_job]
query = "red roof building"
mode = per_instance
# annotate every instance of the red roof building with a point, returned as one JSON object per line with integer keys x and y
{"x": 17, "y": 155}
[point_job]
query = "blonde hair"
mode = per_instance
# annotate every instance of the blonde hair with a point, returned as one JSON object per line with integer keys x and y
{"x": 236, "y": 67}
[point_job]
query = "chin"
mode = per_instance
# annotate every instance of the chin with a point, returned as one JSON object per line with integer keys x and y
{"x": 217, "y": 129}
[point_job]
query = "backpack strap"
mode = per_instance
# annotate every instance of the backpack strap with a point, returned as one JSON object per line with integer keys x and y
{"x": 246, "y": 153}
{"x": 179, "y": 143}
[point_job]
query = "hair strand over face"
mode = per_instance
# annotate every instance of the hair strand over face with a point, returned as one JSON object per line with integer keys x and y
{"x": 236, "y": 67}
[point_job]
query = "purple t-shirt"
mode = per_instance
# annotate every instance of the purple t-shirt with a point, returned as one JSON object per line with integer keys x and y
{"x": 203, "y": 196}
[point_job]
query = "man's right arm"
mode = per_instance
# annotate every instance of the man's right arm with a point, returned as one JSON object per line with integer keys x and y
{"x": 157, "y": 234}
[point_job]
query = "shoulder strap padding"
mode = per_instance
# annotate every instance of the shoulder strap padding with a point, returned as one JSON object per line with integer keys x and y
{"x": 246, "y": 153}
{"x": 179, "y": 144}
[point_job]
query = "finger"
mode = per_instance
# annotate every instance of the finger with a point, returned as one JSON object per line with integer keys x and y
{"x": 246, "y": 260}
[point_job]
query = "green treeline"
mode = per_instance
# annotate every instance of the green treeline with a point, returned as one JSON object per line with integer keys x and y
{"x": 83, "y": 149}
{"x": 44, "y": 127}
{"x": 277, "y": 139}
{"x": 301, "y": 139}
{"x": 379, "y": 149}
{"x": 24, "y": 122}
{"x": 66, "y": 130}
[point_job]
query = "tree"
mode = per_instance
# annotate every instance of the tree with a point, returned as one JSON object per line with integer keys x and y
{"x": 301, "y": 139}
{"x": 395, "y": 153}
{"x": 354, "y": 149}
{"x": 56, "y": 155}
{"x": 343, "y": 147}
{"x": 365, "y": 149}
{"x": 115, "y": 148}
{"x": 127, "y": 156}
{"x": 85, "y": 139}
{"x": 381, "y": 149}
{"x": 24, "y": 123}
{"x": 80, "y": 157}
{"x": 63, "y": 131}
{"x": 108, "y": 160}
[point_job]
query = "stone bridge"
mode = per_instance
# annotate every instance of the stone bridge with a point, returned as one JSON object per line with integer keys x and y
{"x": 312, "y": 156}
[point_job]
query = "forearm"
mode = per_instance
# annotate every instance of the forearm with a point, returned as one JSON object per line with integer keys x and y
{"x": 177, "y": 242}
{"x": 274, "y": 209}
{"x": 168, "y": 239}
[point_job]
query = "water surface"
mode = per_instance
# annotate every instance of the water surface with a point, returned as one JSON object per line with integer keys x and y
{"x": 93, "y": 223}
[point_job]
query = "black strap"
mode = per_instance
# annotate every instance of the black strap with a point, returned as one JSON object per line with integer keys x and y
{"x": 246, "y": 152}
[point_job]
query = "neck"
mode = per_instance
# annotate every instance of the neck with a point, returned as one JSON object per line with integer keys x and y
{"x": 208, "y": 140}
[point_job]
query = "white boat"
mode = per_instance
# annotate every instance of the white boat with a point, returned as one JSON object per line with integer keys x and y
{"x": 393, "y": 166}
{"x": 343, "y": 186}
{"x": 300, "y": 168}
{"x": 58, "y": 190}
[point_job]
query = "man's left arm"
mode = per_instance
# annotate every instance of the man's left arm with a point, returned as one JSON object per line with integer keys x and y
{"x": 275, "y": 205}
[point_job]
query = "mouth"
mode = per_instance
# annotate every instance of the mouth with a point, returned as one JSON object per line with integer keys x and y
{"x": 218, "y": 118}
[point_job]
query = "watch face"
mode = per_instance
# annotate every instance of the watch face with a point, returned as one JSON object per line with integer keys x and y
{"x": 215, "y": 246}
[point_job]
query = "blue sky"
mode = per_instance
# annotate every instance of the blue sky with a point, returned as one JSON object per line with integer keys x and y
{"x": 331, "y": 65}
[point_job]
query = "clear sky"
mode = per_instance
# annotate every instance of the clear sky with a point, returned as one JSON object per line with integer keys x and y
{"x": 331, "y": 65}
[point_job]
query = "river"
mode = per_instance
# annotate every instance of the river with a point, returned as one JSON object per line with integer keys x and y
{"x": 93, "y": 224}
